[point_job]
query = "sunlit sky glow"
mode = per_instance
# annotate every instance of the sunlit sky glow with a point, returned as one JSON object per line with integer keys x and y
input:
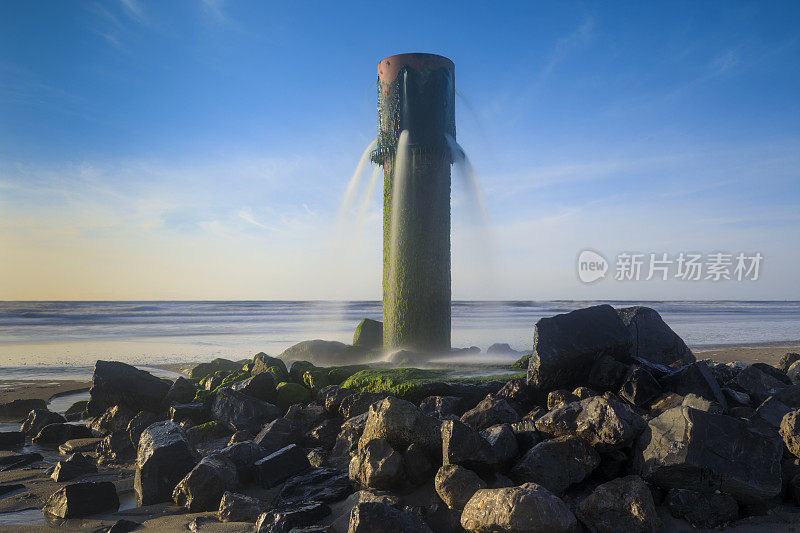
{"x": 199, "y": 150}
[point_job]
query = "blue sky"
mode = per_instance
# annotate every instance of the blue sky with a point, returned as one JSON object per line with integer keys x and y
{"x": 200, "y": 149}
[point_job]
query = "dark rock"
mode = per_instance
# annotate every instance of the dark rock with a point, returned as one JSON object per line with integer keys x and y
{"x": 535, "y": 414}
{"x": 325, "y": 353}
{"x": 331, "y": 398}
{"x": 565, "y": 346}
{"x": 653, "y": 339}
{"x": 741, "y": 412}
{"x": 560, "y": 398}
{"x": 241, "y": 412}
{"x": 470, "y": 393}
{"x": 203, "y": 487}
{"x": 18, "y": 460}
{"x": 323, "y": 485}
{"x": 664, "y": 402}
{"x": 306, "y": 417}
{"x": 374, "y": 517}
{"x": 20, "y": 408}
{"x": 695, "y": 378}
{"x": 583, "y": 392}
{"x": 194, "y": 413}
{"x": 124, "y": 526}
{"x": 402, "y": 423}
{"x": 786, "y": 361}
{"x": 280, "y": 465}
{"x": 77, "y": 500}
{"x": 455, "y": 485}
{"x": 38, "y": 419}
{"x": 164, "y": 457}
{"x": 114, "y": 418}
{"x": 207, "y": 432}
{"x": 115, "y": 383}
{"x": 284, "y": 520}
{"x": 702, "y": 509}
{"x": 73, "y": 466}
{"x": 758, "y": 384}
{"x": 323, "y": 435}
{"x": 359, "y": 402}
{"x": 613, "y": 464}
{"x": 639, "y": 387}
{"x": 529, "y": 507}
{"x": 8, "y": 488}
{"x": 501, "y": 348}
{"x": 687, "y": 448}
{"x": 736, "y": 398}
{"x": 624, "y": 504}
{"x": 318, "y": 458}
{"x": 115, "y": 448}
{"x": 240, "y": 436}
{"x": 701, "y": 404}
{"x": 556, "y": 464}
{"x": 606, "y": 373}
{"x": 260, "y": 386}
{"x": 277, "y": 434}
{"x": 604, "y": 424}
{"x": 235, "y": 507}
{"x": 442, "y": 407}
{"x": 774, "y": 372}
{"x": 369, "y": 334}
{"x": 503, "y": 442}
{"x": 462, "y": 445}
{"x": 244, "y": 456}
{"x": 516, "y": 392}
{"x": 217, "y": 365}
{"x": 441, "y": 518}
{"x": 490, "y": 412}
{"x": 418, "y": 469}
{"x": 181, "y": 391}
{"x": 526, "y": 434}
{"x": 376, "y": 465}
{"x": 346, "y": 445}
{"x": 138, "y": 424}
{"x": 59, "y": 433}
{"x": 11, "y": 439}
{"x": 263, "y": 362}
{"x": 76, "y": 411}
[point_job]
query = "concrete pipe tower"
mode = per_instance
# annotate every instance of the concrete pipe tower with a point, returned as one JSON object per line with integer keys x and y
{"x": 416, "y": 127}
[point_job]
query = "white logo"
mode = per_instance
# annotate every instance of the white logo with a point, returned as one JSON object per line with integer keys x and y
{"x": 591, "y": 266}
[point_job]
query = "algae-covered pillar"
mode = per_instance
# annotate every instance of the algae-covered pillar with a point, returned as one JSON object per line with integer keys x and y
{"x": 416, "y": 126}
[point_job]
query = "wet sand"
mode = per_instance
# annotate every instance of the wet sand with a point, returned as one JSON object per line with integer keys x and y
{"x": 41, "y": 390}
{"x": 765, "y": 352}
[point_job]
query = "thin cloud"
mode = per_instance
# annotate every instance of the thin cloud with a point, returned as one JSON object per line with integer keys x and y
{"x": 246, "y": 214}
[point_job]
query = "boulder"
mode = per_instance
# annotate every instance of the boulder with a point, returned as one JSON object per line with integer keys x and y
{"x": 516, "y": 393}
{"x": 217, "y": 365}
{"x": 280, "y": 466}
{"x": 359, "y": 402}
{"x": 203, "y": 487}
{"x": 323, "y": 435}
{"x": 375, "y": 517}
{"x": 19, "y": 460}
{"x": 164, "y": 457}
{"x": 603, "y": 423}
{"x": 695, "y": 378}
{"x": 79, "y": 445}
{"x": 115, "y": 448}
{"x": 331, "y": 398}
{"x": 192, "y": 413}
{"x": 639, "y": 387}
{"x": 565, "y": 346}
{"x": 790, "y": 432}
{"x": 786, "y": 361}
{"x": 274, "y": 365}
{"x": 606, "y": 373}
{"x": 115, "y": 418}
{"x": 287, "y": 394}
{"x": 416, "y": 465}
{"x": 526, "y": 434}
{"x": 524, "y": 509}
{"x": 59, "y": 433}
{"x": 288, "y": 519}
{"x": 261, "y": 386}
{"x": 20, "y": 408}
{"x": 556, "y": 464}
{"x": 235, "y": 507}
{"x": 244, "y": 456}
{"x": 502, "y": 348}
{"x": 560, "y": 398}
{"x": 623, "y": 504}
{"x": 462, "y": 445}
{"x": 181, "y": 391}
{"x": 277, "y": 434}
{"x": 77, "y": 500}
{"x": 401, "y": 423}
{"x": 115, "y": 383}
{"x": 346, "y": 445}
{"x": 306, "y": 417}
{"x": 11, "y": 439}
{"x": 124, "y": 526}
{"x": 38, "y": 419}
{"x": 76, "y": 411}
{"x": 687, "y": 448}
{"x": 441, "y": 407}
{"x": 324, "y": 485}
{"x": 653, "y": 339}
{"x": 376, "y": 465}
{"x": 209, "y": 432}
{"x": 503, "y": 442}
{"x": 369, "y": 334}
{"x": 138, "y": 424}
{"x": 756, "y": 383}
{"x": 490, "y": 412}
{"x": 455, "y": 485}
{"x": 241, "y": 412}
{"x": 325, "y": 353}
{"x": 73, "y": 466}
{"x": 701, "y": 404}
{"x": 702, "y": 509}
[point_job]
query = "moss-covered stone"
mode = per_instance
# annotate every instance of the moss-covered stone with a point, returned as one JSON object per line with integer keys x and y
{"x": 204, "y": 369}
{"x": 337, "y": 374}
{"x": 369, "y": 334}
{"x": 263, "y": 362}
{"x": 522, "y": 362}
{"x": 77, "y": 411}
{"x": 234, "y": 377}
{"x": 316, "y": 380}
{"x": 202, "y": 395}
{"x": 291, "y": 393}
{"x": 299, "y": 368}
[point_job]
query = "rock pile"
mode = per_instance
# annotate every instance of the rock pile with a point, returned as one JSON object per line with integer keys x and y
{"x": 615, "y": 426}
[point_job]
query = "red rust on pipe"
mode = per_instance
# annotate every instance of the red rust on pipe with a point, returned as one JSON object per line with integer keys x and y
{"x": 389, "y": 67}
